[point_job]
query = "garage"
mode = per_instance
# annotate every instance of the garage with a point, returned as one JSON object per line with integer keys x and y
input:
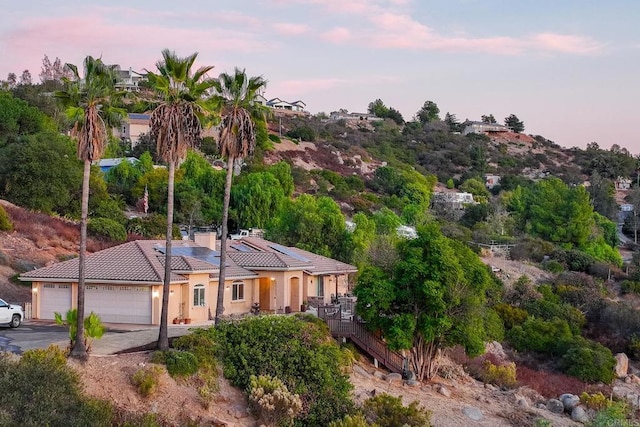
{"x": 55, "y": 297}
{"x": 119, "y": 304}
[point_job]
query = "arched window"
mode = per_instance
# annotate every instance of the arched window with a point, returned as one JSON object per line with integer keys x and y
{"x": 198, "y": 295}
{"x": 238, "y": 291}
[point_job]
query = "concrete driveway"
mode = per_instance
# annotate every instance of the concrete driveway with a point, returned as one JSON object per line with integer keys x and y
{"x": 40, "y": 334}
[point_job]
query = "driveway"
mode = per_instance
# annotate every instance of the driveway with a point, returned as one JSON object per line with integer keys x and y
{"x": 41, "y": 334}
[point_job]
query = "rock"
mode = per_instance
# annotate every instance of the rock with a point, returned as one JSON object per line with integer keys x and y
{"x": 444, "y": 391}
{"x": 555, "y": 406}
{"x": 569, "y": 401}
{"x": 541, "y": 406}
{"x": 472, "y": 413}
{"x": 379, "y": 375}
{"x": 522, "y": 402}
{"x": 495, "y": 348}
{"x": 579, "y": 414}
{"x": 412, "y": 383}
{"x": 490, "y": 387}
{"x": 622, "y": 365}
{"x": 360, "y": 370}
{"x": 393, "y": 378}
{"x": 238, "y": 412}
{"x": 634, "y": 379}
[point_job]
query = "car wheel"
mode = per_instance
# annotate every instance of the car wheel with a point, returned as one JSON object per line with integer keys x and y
{"x": 15, "y": 321}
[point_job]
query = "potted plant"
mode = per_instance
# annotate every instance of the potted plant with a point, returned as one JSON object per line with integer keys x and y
{"x": 187, "y": 320}
{"x": 304, "y": 305}
{"x": 176, "y": 320}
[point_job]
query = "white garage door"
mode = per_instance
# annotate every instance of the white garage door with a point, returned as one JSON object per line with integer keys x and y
{"x": 119, "y": 304}
{"x": 55, "y": 297}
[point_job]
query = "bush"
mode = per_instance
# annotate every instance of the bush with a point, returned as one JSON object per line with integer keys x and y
{"x": 104, "y": 227}
{"x": 597, "y": 401}
{"x": 500, "y": 375}
{"x": 312, "y": 365}
{"x": 352, "y": 421}
{"x": 5, "y": 221}
{"x": 386, "y": 410}
{"x": 493, "y": 326}
{"x": 630, "y": 287}
{"x": 179, "y": 363}
{"x": 511, "y": 316}
{"x": 553, "y": 266}
{"x": 271, "y": 401}
{"x": 549, "y": 384}
{"x": 147, "y": 380}
{"x": 541, "y": 335}
{"x": 304, "y": 133}
{"x": 589, "y": 361}
{"x": 40, "y": 389}
{"x": 275, "y": 138}
{"x": 614, "y": 415}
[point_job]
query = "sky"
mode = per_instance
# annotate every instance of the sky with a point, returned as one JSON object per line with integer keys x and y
{"x": 568, "y": 69}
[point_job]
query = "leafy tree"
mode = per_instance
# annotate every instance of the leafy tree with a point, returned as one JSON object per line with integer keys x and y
{"x": 175, "y": 125}
{"x": 632, "y": 222}
{"x": 236, "y": 140}
{"x": 257, "y": 198}
{"x": 428, "y": 113}
{"x": 434, "y": 297}
{"x": 488, "y": 119}
{"x": 90, "y": 105}
{"x": 17, "y": 118}
{"x": 29, "y": 180}
{"x": 513, "y": 123}
{"x": 602, "y": 192}
{"x": 378, "y": 109}
{"x": 25, "y": 78}
{"x": 452, "y": 121}
{"x": 313, "y": 224}
{"x": 475, "y": 187}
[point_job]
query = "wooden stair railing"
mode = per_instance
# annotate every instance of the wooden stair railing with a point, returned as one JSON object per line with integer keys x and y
{"x": 356, "y": 331}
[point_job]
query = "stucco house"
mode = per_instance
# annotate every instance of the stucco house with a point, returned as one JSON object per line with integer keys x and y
{"x": 132, "y": 127}
{"x": 124, "y": 282}
{"x": 470, "y": 126}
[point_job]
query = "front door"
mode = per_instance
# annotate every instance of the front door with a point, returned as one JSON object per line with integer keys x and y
{"x": 265, "y": 293}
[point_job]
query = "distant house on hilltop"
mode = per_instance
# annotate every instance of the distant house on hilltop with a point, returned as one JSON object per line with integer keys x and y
{"x": 623, "y": 183}
{"x": 482, "y": 127}
{"x": 132, "y": 127}
{"x": 128, "y": 80}
{"x": 491, "y": 180}
{"x": 343, "y": 114}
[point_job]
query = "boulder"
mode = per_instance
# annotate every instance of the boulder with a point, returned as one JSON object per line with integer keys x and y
{"x": 622, "y": 365}
{"x": 472, "y": 413}
{"x": 360, "y": 370}
{"x": 555, "y": 406}
{"x": 379, "y": 375}
{"x": 444, "y": 391}
{"x": 495, "y": 348}
{"x": 569, "y": 401}
{"x": 579, "y": 414}
{"x": 412, "y": 383}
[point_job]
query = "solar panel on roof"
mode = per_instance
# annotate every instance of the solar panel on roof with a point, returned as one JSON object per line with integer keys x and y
{"x": 286, "y": 251}
{"x": 197, "y": 252}
{"x": 241, "y": 247}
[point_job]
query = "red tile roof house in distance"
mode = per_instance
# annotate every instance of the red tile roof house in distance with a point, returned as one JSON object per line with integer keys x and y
{"x": 124, "y": 282}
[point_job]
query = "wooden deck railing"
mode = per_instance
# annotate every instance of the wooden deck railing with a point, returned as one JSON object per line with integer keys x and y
{"x": 356, "y": 331}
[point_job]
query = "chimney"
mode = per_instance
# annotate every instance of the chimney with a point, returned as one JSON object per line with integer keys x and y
{"x": 207, "y": 240}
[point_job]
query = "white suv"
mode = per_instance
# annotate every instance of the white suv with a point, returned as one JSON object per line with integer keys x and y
{"x": 11, "y": 314}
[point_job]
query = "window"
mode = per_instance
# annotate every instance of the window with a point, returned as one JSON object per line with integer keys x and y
{"x": 238, "y": 291}
{"x": 198, "y": 295}
{"x": 320, "y": 286}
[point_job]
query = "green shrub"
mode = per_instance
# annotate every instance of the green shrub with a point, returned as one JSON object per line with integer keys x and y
{"x": 597, "y": 401}
{"x": 271, "y": 401}
{"x": 493, "y": 326}
{"x": 511, "y": 316}
{"x": 541, "y": 335}
{"x": 104, "y": 227}
{"x": 614, "y": 415}
{"x": 152, "y": 226}
{"x": 296, "y": 349}
{"x": 630, "y": 287}
{"x": 5, "y": 221}
{"x": 40, "y": 389}
{"x": 304, "y": 133}
{"x": 553, "y": 266}
{"x": 275, "y": 138}
{"x": 500, "y": 375}
{"x": 357, "y": 420}
{"x": 147, "y": 380}
{"x": 179, "y": 363}
{"x": 589, "y": 361}
{"x": 548, "y": 310}
{"x": 386, "y": 410}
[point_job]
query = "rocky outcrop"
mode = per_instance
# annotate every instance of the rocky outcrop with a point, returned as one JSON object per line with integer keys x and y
{"x": 622, "y": 365}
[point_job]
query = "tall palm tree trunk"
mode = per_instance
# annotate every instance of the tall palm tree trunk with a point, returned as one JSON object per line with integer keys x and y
{"x": 223, "y": 240}
{"x": 79, "y": 350}
{"x": 163, "y": 336}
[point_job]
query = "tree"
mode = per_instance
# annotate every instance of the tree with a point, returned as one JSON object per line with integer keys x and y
{"x": 488, "y": 119}
{"x": 236, "y": 140}
{"x": 25, "y": 78}
{"x": 434, "y": 297}
{"x": 513, "y": 123}
{"x": 452, "y": 121}
{"x": 378, "y": 109}
{"x": 90, "y": 105}
{"x": 602, "y": 192}
{"x": 176, "y": 126}
{"x": 428, "y": 113}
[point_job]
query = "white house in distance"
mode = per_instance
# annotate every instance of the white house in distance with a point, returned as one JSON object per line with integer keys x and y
{"x": 279, "y": 104}
{"x": 343, "y": 114}
{"x": 482, "y": 127}
{"x": 491, "y": 181}
{"x": 128, "y": 80}
{"x": 452, "y": 199}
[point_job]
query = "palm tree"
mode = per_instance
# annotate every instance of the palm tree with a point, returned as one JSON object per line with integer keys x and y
{"x": 176, "y": 126}
{"x": 236, "y": 140}
{"x": 90, "y": 106}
